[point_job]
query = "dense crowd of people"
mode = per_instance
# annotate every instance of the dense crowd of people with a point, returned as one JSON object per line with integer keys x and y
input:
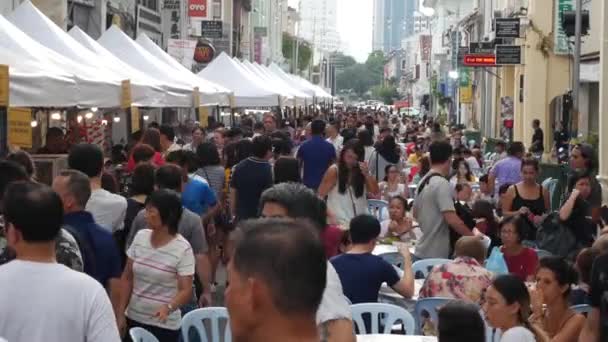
{"x": 136, "y": 238}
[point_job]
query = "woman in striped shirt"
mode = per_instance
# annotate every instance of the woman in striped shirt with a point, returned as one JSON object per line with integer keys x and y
{"x": 159, "y": 271}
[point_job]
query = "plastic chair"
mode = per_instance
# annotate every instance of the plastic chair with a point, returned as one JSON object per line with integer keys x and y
{"x": 542, "y": 253}
{"x": 390, "y": 314}
{"x": 430, "y": 305}
{"x": 551, "y": 185}
{"x": 141, "y": 335}
{"x": 582, "y": 308}
{"x": 394, "y": 258}
{"x": 195, "y": 319}
{"x": 424, "y": 266}
{"x": 377, "y": 208}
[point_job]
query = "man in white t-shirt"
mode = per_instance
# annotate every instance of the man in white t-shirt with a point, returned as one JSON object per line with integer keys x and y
{"x": 42, "y": 300}
{"x": 108, "y": 209}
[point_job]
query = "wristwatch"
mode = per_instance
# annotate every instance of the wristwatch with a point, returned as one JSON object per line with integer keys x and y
{"x": 171, "y": 308}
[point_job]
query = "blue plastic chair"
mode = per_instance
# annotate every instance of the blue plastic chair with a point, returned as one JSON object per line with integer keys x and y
{"x": 430, "y": 305}
{"x": 377, "y": 208}
{"x": 141, "y": 335}
{"x": 394, "y": 258}
{"x": 551, "y": 185}
{"x": 388, "y": 313}
{"x": 582, "y": 308}
{"x": 196, "y": 319}
{"x": 424, "y": 266}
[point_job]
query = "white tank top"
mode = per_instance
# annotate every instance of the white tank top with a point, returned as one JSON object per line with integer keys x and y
{"x": 346, "y": 206}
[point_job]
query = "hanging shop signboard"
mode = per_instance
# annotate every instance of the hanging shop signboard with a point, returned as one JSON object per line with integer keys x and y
{"x": 507, "y": 27}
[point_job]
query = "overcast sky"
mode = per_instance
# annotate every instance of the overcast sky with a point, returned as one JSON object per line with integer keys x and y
{"x": 355, "y": 19}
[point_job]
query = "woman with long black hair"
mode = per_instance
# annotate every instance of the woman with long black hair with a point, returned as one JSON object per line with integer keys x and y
{"x": 386, "y": 153}
{"x": 347, "y": 183}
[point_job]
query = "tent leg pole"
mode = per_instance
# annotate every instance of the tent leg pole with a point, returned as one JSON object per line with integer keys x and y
{"x": 128, "y": 114}
{"x": 3, "y": 131}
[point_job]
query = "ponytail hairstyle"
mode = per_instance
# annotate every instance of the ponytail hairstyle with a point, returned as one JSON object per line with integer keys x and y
{"x": 563, "y": 271}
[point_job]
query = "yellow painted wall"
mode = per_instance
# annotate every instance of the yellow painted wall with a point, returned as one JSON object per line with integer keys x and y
{"x": 545, "y": 77}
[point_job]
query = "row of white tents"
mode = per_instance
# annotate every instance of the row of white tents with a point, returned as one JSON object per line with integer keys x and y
{"x": 49, "y": 67}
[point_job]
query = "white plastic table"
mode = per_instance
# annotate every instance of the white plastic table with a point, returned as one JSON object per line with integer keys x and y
{"x": 394, "y": 338}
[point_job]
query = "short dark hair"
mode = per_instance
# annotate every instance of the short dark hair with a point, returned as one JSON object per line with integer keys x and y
{"x": 258, "y": 126}
{"x": 143, "y": 153}
{"x": 154, "y": 125}
{"x": 208, "y": 154}
{"x": 484, "y": 178}
{"x": 191, "y": 162}
{"x": 501, "y": 143}
{"x": 520, "y": 224}
{"x": 33, "y": 209}
{"x": 261, "y": 146}
{"x": 364, "y": 228}
{"x": 142, "y": 182}
{"x": 151, "y": 137}
{"x": 10, "y": 172}
{"x": 270, "y": 249}
{"x": 169, "y": 177}
{"x": 79, "y": 186}
{"x": 577, "y": 176}
{"x": 286, "y": 169}
{"x": 317, "y": 127}
{"x": 167, "y": 131}
{"x": 516, "y": 147}
{"x": 169, "y": 206}
{"x": 440, "y": 152}
{"x": 86, "y": 158}
{"x": 299, "y": 201}
{"x": 536, "y": 122}
{"x": 460, "y": 321}
{"x": 24, "y": 159}
{"x": 562, "y": 270}
{"x": 176, "y": 157}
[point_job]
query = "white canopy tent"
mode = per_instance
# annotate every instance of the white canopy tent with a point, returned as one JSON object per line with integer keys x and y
{"x": 128, "y": 51}
{"x": 319, "y": 93}
{"x": 107, "y": 90}
{"x": 301, "y": 98}
{"x": 287, "y": 96}
{"x": 153, "y": 94}
{"x": 273, "y": 68}
{"x": 248, "y": 91}
{"x": 33, "y": 81}
{"x": 210, "y": 92}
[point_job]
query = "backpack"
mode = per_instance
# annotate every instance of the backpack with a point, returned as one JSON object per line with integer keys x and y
{"x": 425, "y": 182}
{"x": 555, "y": 237}
{"x": 86, "y": 250}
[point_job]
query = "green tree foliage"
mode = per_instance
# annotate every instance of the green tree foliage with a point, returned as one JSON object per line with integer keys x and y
{"x": 360, "y": 77}
{"x": 386, "y": 94}
{"x": 304, "y": 51}
{"x": 356, "y": 77}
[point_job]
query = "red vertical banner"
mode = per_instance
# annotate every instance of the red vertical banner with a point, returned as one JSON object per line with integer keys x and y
{"x": 257, "y": 49}
{"x": 426, "y": 47}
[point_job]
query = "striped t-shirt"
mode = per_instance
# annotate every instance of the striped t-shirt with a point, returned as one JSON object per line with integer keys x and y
{"x": 155, "y": 273}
